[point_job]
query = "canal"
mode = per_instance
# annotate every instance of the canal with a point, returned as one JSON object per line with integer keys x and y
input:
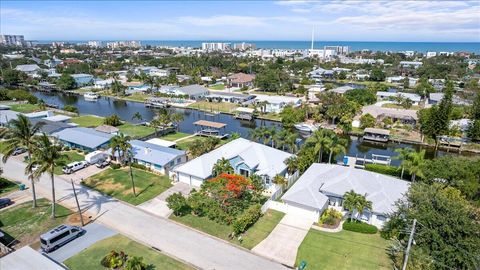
{"x": 106, "y": 106}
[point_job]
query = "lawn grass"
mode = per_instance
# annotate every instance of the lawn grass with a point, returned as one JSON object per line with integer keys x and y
{"x": 136, "y": 131}
{"x": 87, "y": 120}
{"x": 117, "y": 183}
{"x": 24, "y": 108}
{"x": 26, "y": 224}
{"x": 7, "y": 186}
{"x": 217, "y": 87}
{"x": 185, "y": 144}
{"x": 343, "y": 250}
{"x": 396, "y": 106}
{"x": 72, "y": 156}
{"x": 90, "y": 258}
{"x": 254, "y": 235}
{"x": 207, "y": 106}
{"x": 175, "y": 136}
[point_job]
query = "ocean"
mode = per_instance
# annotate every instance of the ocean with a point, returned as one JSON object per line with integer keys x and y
{"x": 473, "y": 47}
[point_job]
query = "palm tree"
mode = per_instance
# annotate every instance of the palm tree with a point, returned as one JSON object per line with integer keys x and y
{"x": 363, "y": 204}
{"x": 21, "y": 134}
{"x": 292, "y": 164}
{"x": 120, "y": 144}
{"x": 415, "y": 163}
{"x": 291, "y": 141}
{"x": 176, "y": 118}
{"x": 137, "y": 116}
{"x": 280, "y": 180}
{"x": 222, "y": 166}
{"x": 135, "y": 263}
{"x": 320, "y": 138}
{"x": 350, "y": 201}
{"x": 46, "y": 156}
{"x": 337, "y": 145}
{"x": 403, "y": 155}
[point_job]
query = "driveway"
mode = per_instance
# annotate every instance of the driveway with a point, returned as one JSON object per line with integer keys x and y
{"x": 200, "y": 250}
{"x": 19, "y": 197}
{"x": 283, "y": 242}
{"x": 95, "y": 232}
{"x": 83, "y": 173}
{"x": 158, "y": 205}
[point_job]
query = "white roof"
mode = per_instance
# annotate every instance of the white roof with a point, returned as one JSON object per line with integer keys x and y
{"x": 411, "y": 96}
{"x": 161, "y": 142}
{"x": 342, "y": 89}
{"x": 375, "y": 111}
{"x": 265, "y": 159}
{"x": 245, "y": 110}
{"x": 27, "y": 68}
{"x": 58, "y": 118}
{"x": 320, "y": 180}
{"x": 26, "y": 259}
{"x": 277, "y": 99}
{"x": 39, "y": 114}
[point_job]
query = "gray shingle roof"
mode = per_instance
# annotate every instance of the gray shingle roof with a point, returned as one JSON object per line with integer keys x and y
{"x": 193, "y": 90}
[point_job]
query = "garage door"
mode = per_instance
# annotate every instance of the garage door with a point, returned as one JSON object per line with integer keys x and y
{"x": 302, "y": 212}
{"x": 191, "y": 180}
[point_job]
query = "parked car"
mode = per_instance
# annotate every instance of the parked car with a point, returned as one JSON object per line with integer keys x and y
{"x": 74, "y": 166}
{"x": 102, "y": 163}
{"x": 4, "y": 202}
{"x": 19, "y": 151}
{"x": 59, "y": 236}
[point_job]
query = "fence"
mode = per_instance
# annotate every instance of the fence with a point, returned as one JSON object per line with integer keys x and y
{"x": 271, "y": 202}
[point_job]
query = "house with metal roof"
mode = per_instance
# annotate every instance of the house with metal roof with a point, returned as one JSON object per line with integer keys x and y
{"x": 383, "y": 95}
{"x": 246, "y": 158}
{"x": 193, "y": 91}
{"x": 86, "y": 139}
{"x": 6, "y": 116}
{"x": 158, "y": 158}
{"x": 49, "y": 127}
{"x": 323, "y": 186}
{"x": 28, "y": 69}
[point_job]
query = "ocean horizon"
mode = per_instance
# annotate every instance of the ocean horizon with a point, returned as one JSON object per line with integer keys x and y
{"x": 394, "y": 46}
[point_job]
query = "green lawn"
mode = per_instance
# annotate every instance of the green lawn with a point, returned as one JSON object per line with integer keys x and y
{"x": 213, "y": 106}
{"x": 217, "y": 87}
{"x": 396, "y": 106}
{"x": 72, "y": 156}
{"x": 343, "y": 250}
{"x": 87, "y": 120}
{"x": 254, "y": 235}
{"x": 117, "y": 183}
{"x": 136, "y": 131}
{"x": 26, "y": 224}
{"x": 175, "y": 136}
{"x": 185, "y": 144}
{"x": 24, "y": 108}
{"x": 90, "y": 258}
{"x": 7, "y": 186}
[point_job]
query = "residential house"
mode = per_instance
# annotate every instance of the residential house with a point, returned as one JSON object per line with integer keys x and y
{"x": 401, "y": 115}
{"x": 240, "y": 80}
{"x": 52, "y": 63}
{"x": 86, "y": 139}
{"x": 50, "y": 127}
{"x": 342, "y": 89}
{"x": 275, "y": 104}
{"x": 193, "y": 91}
{"x": 82, "y": 79}
{"x": 39, "y": 115}
{"x": 323, "y": 186}
{"x": 383, "y": 95}
{"x": 102, "y": 84}
{"x": 246, "y": 158}
{"x": 108, "y": 129}
{"x": 217, "y": 96}
{"x": 6, "y": 116}
{"x": 30, "y": 70}
{"x": 408, "y": 64}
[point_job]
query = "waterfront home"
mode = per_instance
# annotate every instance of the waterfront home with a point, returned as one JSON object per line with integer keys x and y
{"x": 39, "y": 115}
{"x": 108, "y": 129}
{"x": 401, "y": 115}
{"x": 193, "y": 91}
{"x": 246, "y": 158}
{"x": 376, "y": 134}
{"x": 30, "y": 70}
{"x": 342, "y": 89}
{"x": 275, "y": 104}
{"x": 82, "y": 79}
{"x": 49, "y": 127}
{"x": 58, "y": 118}
{"x": 240, "y": 80}
{"x": 218, "y": 96}
{"x": 86, "y": 139}
{"x": 158, "y": 158}
{"x": 323, "y": 186}
{"x": 383, "y": 95}
{"x": 102, "y": 84}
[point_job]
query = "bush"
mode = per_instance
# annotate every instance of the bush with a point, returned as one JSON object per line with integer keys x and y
{"x": 22, "y": 95}
{"x": 330, "y": 217}
{"x": 115, "y": 166}
{"x": 199, "y": 203}
{"x": 70, "y": 108}
{"x": 66, "y": 148}
{"x": 178, "y": 204}
{"x": 384, "y": 169}
{"x": 361, "y": 227}
{"x": 139, "y": 166}
{"x": 247, "y": 219}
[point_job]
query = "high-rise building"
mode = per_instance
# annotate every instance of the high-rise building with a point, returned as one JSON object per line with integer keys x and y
{"x": 215, "y": 46}
{"x": 12, "y": 40}
{"x": 95, "y": 43}
{"x": 120, "y": 44}
{"x": 243, "y": 46}
{"x": 341, "y": 50}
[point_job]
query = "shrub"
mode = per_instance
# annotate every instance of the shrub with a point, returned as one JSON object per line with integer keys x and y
{"x": 66, "y": 148}
{"x": 178, "y": 204}
{"x": 114, "y": 259}
{"x": 383, "y": 169}
{"x": 247, "y": 219}
{"x": 139, "y": 166}
{"x": 330, "y": 217}
{"x": 112, "y": 120}
{"x": 361, "y": 227}
{"x": 70, "y": 108}
{"x": 115, "y": 166}
{"x": 199, "y": 203}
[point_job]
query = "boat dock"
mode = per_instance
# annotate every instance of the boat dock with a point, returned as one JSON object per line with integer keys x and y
{"x": 210, "y": 129}
{"x": 359, "y": 162}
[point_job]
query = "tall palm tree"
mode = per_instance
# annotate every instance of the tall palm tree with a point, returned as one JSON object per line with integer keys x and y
{"x": 120, "y": 144}
{"x": 320, "y": 139}
{"x": 46, "y": 156}
{"x": 403, "y": 156}
{"x": 280, "y": 181}
{"x": 292, "y": 164}
{"x": 363, "y": 204}
{"x": 415, "y": 163}
{"x": 351, "y": 201}
{"x": 137, "y": 116}
{"x": 337, "y": 145}
{"x": 21, "y": 133}
{"x": 291, "y": 141}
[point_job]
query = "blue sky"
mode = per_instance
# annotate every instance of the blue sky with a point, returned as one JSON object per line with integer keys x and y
{"x": 455, "y": 21}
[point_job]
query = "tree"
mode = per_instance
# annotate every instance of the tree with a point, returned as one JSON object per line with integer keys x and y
{"x": 118, "y": 88}
{"x": 362, "y": 205}
{"x": 112, "y": 120}
{"x": 70, "y": 108}
{"x": 13, "y": 76}
{"x": 46, "y": 156}
{"x": 403, "y": 155}
{"x": 279, "y": 180}
{"x": 120, "y": 144}
{"x": 222, "y": 166}
{"x": 66, "y": 82}
{"x": 135, "y": 263}
{"x": 138, "y": 116}
{"x": 377, "y": 75}
{"x": 473, "y": 130}
{"x": 406, "y": 103}
{"x": 367, "y": 121}
{"x": 291, "y": 116}
{"x": 448, "y": 230}
{"x": 21, "y": 133}
{"x": 414, "y": 163}
{"x": 351, "y": 202}
{"x": 292, "y": 164}
{"x": 178, "y": 203}
{"x": 336, "y": 145}
{"x": 361, "y": 96}
{"x": 424, "y": 88}
{"x": 320, "y": 139}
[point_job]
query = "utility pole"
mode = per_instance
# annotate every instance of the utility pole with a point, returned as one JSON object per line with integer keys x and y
{"x": 78, "y": 205}
{"x": 409, "y": 245}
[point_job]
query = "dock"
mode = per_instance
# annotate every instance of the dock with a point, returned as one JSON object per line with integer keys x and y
{"x": 359, "y": 162}
{"x": 210, "y": 129}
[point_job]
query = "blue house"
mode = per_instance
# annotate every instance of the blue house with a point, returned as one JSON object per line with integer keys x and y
{"x": 85, "y": 139}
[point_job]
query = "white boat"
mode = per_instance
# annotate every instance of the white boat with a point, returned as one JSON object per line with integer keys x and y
{"x": 305, "y": 127}
{"x": 91, "y": 95}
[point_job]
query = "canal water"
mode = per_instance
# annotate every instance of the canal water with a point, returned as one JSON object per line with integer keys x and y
{"x": 106, "y": 106}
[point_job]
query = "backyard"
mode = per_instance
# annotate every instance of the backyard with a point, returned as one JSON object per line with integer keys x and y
{"x": 87, "y": 120}
{"x": 219, "y": 86}
{"x": 117, "y": 183}
{"x": 24, "y": 108}
{"x": 175, "y": 136}
{"x": 343, "y": 250}
{"x": 25, "y": 224}
{"x": 254, "y": 235}
{"x": 213, "y": 106}
{"x": 90, "y": 258}
{"x": 72, "y": 156}
{"x": 135, "y": 131}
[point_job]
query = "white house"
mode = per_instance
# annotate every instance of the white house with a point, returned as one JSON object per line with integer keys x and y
{"x": 102, "y": 84}
{"x": 383, "y": 95}
{"x": 322, "y": 186}
{"x": 276, "y": 104}
{"x": 82, "y": 79}
{"x": 246, "y": 158}
{"x": 30, "y": 70}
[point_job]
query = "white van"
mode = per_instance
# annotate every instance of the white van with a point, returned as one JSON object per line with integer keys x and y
{"x": 74, "y": 166}
{"x": 59, "y": 236}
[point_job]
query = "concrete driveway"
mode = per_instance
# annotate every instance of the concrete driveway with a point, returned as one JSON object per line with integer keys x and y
{"x": 282, "y": 243}
{"x": 94, "y": 233}
{"x": 83, "y": 173}
{"x": 19, "y": 197}
{"x": 158, "y": 205}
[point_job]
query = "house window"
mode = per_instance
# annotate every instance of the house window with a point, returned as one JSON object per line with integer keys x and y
{"x": 179, "y": 160}
{"x": 172, "y": 163}
{"x": 244, "y": 172}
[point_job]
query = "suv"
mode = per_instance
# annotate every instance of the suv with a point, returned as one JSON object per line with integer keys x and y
{"x": 5, "y": 202}
{"x": 74, "y": 166}
{"x": 18, "y": 151}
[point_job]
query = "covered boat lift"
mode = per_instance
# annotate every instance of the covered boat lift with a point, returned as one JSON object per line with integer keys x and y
{"x": 210, "y": 129}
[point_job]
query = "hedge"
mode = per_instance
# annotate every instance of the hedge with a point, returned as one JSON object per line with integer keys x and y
{"x": 384, "y": 169}
{"x": 361, "y": 227}
{"x": 247, "y": 219}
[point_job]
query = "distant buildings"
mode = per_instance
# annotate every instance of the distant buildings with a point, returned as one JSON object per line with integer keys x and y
{"x": 12, "y": 40}
{"x": 407, "y": 64}
{"x": 243, "y": 46}
{"x": 215, "y": 46}
{"x": 30, "y": 70}
{"x": 124, "y": 44}
{"x": 240, "y": 80}
{"x": 95, "y": 44}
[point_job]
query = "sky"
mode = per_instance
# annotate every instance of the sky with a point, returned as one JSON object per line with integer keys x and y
{"x": 377, "y": 20}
